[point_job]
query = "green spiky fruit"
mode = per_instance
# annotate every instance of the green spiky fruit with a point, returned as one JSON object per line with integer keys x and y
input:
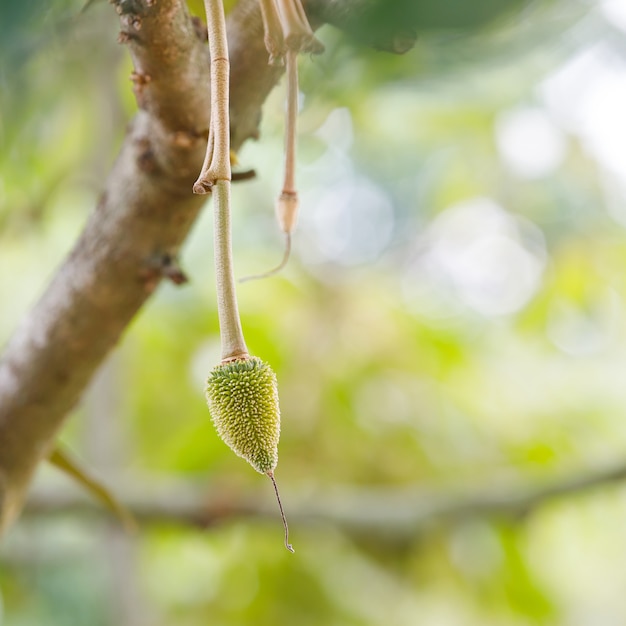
{"x": 243, "y": 401}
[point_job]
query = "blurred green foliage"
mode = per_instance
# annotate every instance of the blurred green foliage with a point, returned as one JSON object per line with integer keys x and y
{"x": 452, "y": 318}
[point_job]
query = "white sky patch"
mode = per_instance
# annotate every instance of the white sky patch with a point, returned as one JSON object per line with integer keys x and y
{"x": 615, "y": 12}
{"x": 529, "y": 142}
{"x": 476, "y": 255}
{"x": 349, "y": 223}
{"x": 588, "y": 97}
{"x": 337, "y": 130}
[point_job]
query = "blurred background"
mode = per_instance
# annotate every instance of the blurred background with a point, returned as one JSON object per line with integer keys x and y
{"x": 449, "y": 336}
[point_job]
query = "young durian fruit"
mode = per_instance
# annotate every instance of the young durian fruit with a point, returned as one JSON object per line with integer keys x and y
{"x": 243, "y": 401}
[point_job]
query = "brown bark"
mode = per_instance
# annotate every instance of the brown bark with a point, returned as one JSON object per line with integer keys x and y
{"x": 132, "y": 238}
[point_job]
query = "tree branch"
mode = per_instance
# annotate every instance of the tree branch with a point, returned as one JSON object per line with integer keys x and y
{"x": 133, "y": 237}
{"x": 396, "y": 515}
{"x": 143, "y": 216}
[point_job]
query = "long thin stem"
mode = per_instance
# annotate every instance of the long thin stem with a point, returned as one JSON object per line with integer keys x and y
{"x": 286, "y": 27}
{"x": 231, "y": 334}
{"x": 288, "y": 202}
{"x": 216, "y": 176}
{"x": 291, "y": 118}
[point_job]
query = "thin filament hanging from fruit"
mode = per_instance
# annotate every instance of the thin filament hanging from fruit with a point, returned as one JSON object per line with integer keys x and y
{"x": 282, "y": 513}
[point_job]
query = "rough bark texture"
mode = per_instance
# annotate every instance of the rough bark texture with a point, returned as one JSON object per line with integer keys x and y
{"x": 133, "y": 236}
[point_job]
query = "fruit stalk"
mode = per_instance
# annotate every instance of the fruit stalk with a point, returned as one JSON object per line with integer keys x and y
{"x": 215, "y": 177}
{"x": 231, "y": 333}
{"x": 241, "y": 392}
